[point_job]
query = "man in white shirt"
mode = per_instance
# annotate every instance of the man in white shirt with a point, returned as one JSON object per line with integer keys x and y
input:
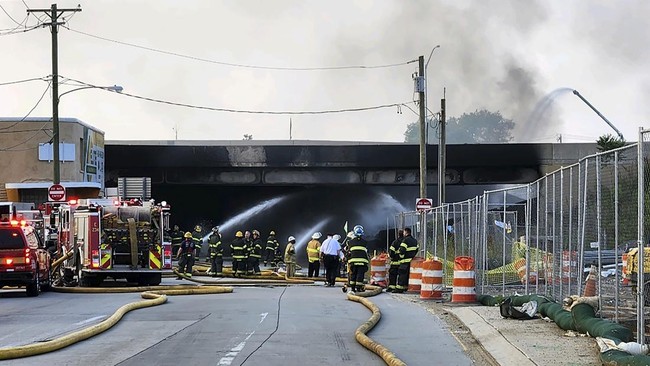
{"x": 330, "y": 252}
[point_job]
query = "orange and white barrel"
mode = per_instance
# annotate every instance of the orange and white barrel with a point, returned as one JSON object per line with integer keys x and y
{"x": 569, "y": 265}
{"x": 520, "y": 267}
{"x": 378, "y": 270}
{"x": 464, "y": 280}
{"x": 431, "y": 280}
{"x": 415, "y": 276}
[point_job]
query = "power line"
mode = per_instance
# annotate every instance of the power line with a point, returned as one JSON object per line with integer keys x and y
{"x": 22, "y": 81}
{"x": 244, "y": 111}
{"x": 21, "y": 30}
{"x": 25, "y": 141}
{"x": 31, "y": 110}
{"x": 241, "y": 65}
{"x": 10, "y": 17}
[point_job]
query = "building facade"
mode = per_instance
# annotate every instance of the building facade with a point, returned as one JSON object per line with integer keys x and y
{"x": 26, "y": 159}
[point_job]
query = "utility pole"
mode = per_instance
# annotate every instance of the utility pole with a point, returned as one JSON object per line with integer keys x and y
{"x": 423, "y": 130}
{"x": 54, "y": 15}
{"x": 442, "y": 147}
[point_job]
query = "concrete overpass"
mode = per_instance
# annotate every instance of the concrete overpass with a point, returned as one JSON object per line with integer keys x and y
{"x": 298, "y": 187}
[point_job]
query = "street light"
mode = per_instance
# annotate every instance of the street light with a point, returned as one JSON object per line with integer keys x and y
{"x": 55, "y": 125}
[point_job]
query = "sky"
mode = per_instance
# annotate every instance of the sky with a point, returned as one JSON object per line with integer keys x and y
{"x": 508, "y": 56}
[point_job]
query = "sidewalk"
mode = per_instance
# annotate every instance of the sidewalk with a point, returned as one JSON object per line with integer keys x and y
{"x": 526, "y": 342}
{"x": 520, "y": 342}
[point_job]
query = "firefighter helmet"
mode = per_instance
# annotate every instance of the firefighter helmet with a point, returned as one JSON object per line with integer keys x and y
{"x": 239, "y": 234}
{"x": 291, "y": 238}
{"x": 272, "y": 232}
{"x": 317, "y": 235}
{"x": 255, "y": 232}
{"x": 215, "y": 229}
{"x": 197, "y": 228}
{"x": 358, "y": 230}
{"x": 188, "y": 234}
{"x": 176, "y": 227}
{"x": 337, "y": 237}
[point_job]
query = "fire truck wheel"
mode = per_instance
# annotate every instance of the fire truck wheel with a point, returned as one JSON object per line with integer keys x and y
{"x": 34, "y": 288}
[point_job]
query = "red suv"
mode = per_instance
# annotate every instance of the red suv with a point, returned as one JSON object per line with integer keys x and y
{"x": 24, "y": 260}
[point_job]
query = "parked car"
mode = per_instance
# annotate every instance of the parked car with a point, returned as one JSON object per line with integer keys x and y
{"x": 24, "y": 260}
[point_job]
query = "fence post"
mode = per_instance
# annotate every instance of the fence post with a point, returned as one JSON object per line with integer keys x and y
{"x": 599, "y": 228}
{"x": 570, "y": 232}
{"x": 640, "y": 303}
{"x": 527, "y": 234}
{"x": 616, "y": 277}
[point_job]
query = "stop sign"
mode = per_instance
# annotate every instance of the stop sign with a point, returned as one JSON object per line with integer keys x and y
{"x": 56, "y": 193}
{"x": 423, "y": 204}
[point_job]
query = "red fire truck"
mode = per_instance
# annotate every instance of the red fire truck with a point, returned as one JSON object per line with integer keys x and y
{"x": 107, "y": 238}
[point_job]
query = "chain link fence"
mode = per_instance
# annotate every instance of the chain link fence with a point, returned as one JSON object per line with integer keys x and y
{"x": 546, "y": 236}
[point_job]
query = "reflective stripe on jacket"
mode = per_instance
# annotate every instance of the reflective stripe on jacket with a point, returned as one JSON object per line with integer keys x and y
{"x": 272, "y": 243}
{"x": 216, "y": 249}
{"x": 408, "y": 249}
{"x": 358, "y": 251}
{"x": 313, "y": 251}
{"x": 256, "y": 249}
{"x": 393, "y": 251}
{"x": 238, "y": 247}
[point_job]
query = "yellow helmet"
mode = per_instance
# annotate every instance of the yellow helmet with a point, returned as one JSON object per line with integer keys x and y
{"x": 197, "y": 228}
{"x": 188, "y": 234}
{"x": 239, "y": 234}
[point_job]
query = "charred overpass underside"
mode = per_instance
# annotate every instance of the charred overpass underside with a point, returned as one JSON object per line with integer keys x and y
{"x": 209, "y": 182}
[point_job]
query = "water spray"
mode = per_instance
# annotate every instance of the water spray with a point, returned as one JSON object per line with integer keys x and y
{"x": 245, "y": 215}
{"x": 303, "y": 237}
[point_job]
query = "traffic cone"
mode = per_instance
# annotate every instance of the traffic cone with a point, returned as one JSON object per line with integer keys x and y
{"x": 590, "y": 283}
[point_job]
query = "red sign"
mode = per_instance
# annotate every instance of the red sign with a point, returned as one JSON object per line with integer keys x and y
{"x": 56, "y": 193}
{"x": 423, "y": 204}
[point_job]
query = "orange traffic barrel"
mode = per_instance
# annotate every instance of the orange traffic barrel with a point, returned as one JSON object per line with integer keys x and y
{"x": 464, "y": 281}
{"x": 431, "y": 280}
{"x": 415, "y": 275}
{"x": 378, "y": 270}
{"x": 520, "y": 267}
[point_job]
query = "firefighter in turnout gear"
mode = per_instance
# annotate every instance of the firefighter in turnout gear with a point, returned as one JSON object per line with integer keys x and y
{"x": 290, "y": 256}
{"x": 185, "y": 255}
{"x": 272, "y": 246}
{"x": 238, "y": 249}
{"x": 255, "y": 253}
{"x": 216, "y": 253}
{"x": 249, "y": 247}
{"x": 198, "y": 240}
{"x": 358, "y": 259}
{"x": 407, "y": 251}
{"x": 177, "y": 238}
{"x": 313, "y": 255}
{"x": 393, "y": 252}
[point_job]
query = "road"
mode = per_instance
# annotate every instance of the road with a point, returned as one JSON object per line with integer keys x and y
{"x": 296, "y": 325}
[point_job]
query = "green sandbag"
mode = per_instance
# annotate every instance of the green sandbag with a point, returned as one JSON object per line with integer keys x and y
{"x": 587, "y": 322}
{"x": 620, "y": 358}
{"x": 488, "y": 300}
{"x": 561, "y": 317}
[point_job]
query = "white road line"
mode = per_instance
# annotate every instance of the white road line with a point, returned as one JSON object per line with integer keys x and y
{"x": 230, "y": 356}
{"x": 263, "y": 316}
{"x": 90, "y": 320}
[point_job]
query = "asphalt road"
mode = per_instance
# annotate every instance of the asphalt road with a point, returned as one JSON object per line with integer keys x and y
{"x": 297, "y": 325}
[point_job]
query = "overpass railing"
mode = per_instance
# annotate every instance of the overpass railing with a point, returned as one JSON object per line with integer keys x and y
{"x": 544, "y": 237}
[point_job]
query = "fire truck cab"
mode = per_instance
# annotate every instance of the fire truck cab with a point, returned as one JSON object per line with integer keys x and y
{"x": 107, "y": 239}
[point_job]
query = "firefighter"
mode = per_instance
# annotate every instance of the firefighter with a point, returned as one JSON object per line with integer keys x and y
{"x": 290, "y": 256}
{"x": 358, "y": 259}
{"x": 198, "y": 240}
{"x": 177, "y": 238}
{"x": 216, "y": 253}
{"x": 393, "y": 253}
{"x": 238, "y": 250}
{"x": 313, "y": 255}
{"x": 185, "y": 255}
{"x": 407, "y": 251}
{"x": 255, "y": 253}
{"x": 272, "y": 246}
{"x": 249, "y": 247}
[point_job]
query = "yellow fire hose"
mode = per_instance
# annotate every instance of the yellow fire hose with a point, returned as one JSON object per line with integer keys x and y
{"x": 157, "y": 295}
{"x": 360, "y": 334}
{"x": 151, "y": 298}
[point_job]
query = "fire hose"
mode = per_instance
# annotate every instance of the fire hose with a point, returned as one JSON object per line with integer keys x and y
{"x": 157, "y": 295}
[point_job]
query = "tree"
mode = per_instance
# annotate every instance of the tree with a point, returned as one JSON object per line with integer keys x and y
{"x": 247, "y": 136}
{"x": 481, "y": 126}
{"x": 609, "y": 142}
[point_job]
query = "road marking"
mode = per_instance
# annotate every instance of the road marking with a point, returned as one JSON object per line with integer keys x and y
{"x": 89, "y": 320}
{"x": 230, "y": 356}
{"x": 263, "y": 316}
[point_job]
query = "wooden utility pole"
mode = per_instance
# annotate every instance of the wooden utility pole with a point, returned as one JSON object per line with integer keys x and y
{"x": 423, "y": 130}
{"x": 54, "y": 15}
{"x": 442, "y": 152}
